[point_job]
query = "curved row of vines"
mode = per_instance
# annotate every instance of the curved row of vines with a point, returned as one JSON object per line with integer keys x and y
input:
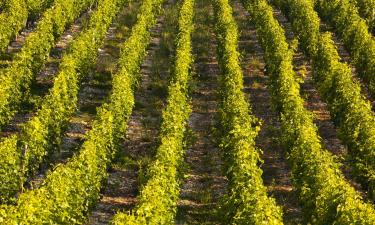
{"x": 247, "y": 201}
{"x": 70, "y": 190}
{"x": 14, "y": 16}
{"x": 348, "y": 108}
{"x": 344, "y": 17}
{"x": 18, "y": 76}
{"x": 325, "y": 195}
{"x": 21, "y": 154}
{"x": 158, "y": 197}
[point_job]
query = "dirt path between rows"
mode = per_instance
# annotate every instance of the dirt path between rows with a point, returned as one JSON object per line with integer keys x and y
{"x": 205, "y": 181}
{"x": 277, "y": 173}
{"x": 126, "y": 174}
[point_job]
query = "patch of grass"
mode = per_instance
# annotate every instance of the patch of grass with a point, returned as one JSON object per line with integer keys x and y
{"x": 125, "y": 162}
{"x": 147, "y": 138}
{"x": 257, "y": 85}
{"x": 255, "y": 64}
{"x": 205, "y": 196}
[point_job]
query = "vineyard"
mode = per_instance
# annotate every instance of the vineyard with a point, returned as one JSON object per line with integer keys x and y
{"x": 187, "y": 112}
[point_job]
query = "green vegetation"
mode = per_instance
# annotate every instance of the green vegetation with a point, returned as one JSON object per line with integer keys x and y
{"x": 70, "y": 190}
{"x": 344, "y": 17}
{"x": 158, "y": 197}
{"x": 326, "y": 197}
{"x": 247, "y": 201}
{"x": 22, "y": 154}
{"x": 17, "y": 77}
{"x": 15, "y": 15}
{"x": 42, "y": 183}
{"x": 366, "y": 9}
{"x": 349, "y": 109}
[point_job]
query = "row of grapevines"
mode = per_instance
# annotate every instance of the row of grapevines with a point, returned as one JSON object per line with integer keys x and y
{"x": 158, "y": 198}
{"x": 366, "y": 9}
{"x": 326, "y": 197}
{"x": 343, "y": 15}
{"x": 349, "y": 110}
{"x": 14, "y": 16}
{"x": 71, "y": 190}
{"x": 36, "y": 7}
{"x": 21, "y": 155}
{"x": 247, "y": 201}
{"x": 16, "y": 78}
{"x": 12, "y": 20}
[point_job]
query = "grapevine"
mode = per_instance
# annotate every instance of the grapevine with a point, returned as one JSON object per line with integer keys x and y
{"x": 326, "y": 196}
